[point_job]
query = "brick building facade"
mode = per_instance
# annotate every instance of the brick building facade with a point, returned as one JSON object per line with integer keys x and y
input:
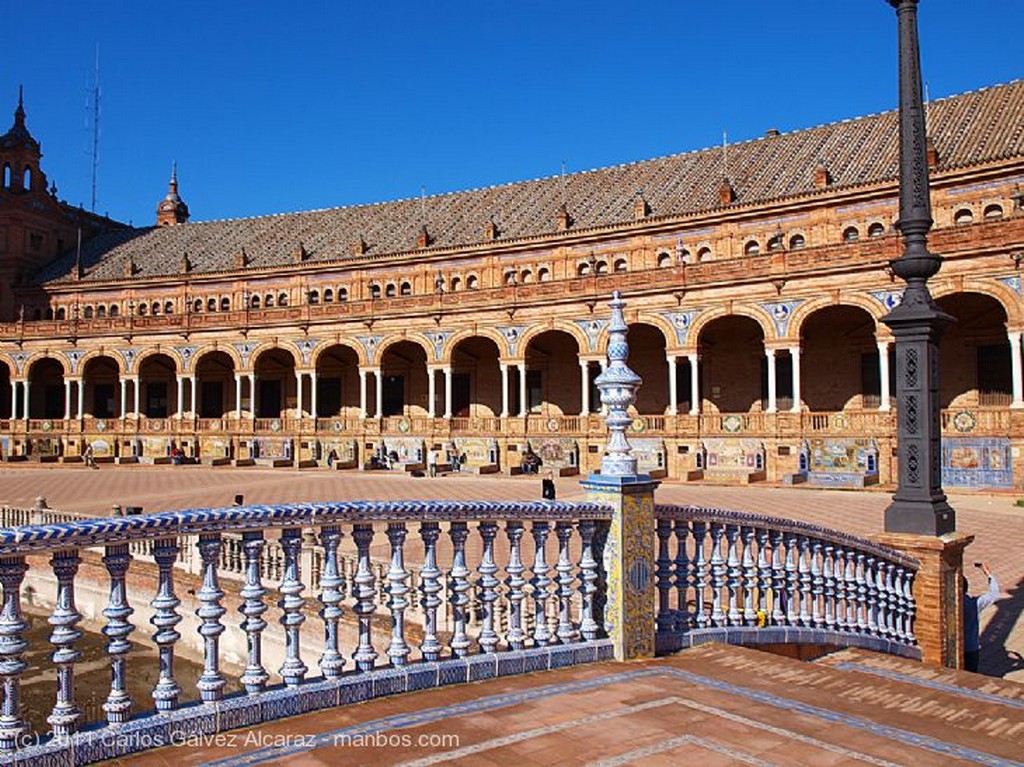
{"x": 475, "y": 320}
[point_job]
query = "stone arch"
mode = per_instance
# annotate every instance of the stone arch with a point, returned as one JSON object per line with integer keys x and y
{"x": 6, "y": 376}
{"x": 227, "y": 349}
{"x": 806, "y": 309}
{"x": 571, "y": 328}
{"x": 355, "y": 346}
{"x": 461, "y": 335}
{"x": 1004, "y": 294}
{"x": 32, "y": 359}
{"x": 733, "y": 364}
{"x": 146, "y": 353}
{"x": 100, "y": 391}
{"x": 648, "y": 358}
{"x": 271, "y": 346}
{"x": 839, "y": 364}
{"x": 975, "y": 358}
{"x": 416, "y": 338}
{"x": 94, "y": 353}
{"x": 654, "y": 320}
{"x": 476, "y": 375}
{"x": 706, "y": 317}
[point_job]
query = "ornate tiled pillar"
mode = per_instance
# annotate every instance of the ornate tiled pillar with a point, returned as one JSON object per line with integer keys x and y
{"x": 629, "y": 613}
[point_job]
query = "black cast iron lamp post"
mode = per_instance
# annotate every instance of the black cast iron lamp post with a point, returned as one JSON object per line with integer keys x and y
{"x": 918, "y": 506}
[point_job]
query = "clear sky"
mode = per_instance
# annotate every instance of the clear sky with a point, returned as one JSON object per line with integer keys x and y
{"x": 271, "y": 107}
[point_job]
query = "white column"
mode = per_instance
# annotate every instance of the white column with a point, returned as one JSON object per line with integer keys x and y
{"x": 137, "y": 388}
{"x": 770, "y": 355}
{"x": 522, "y": 388}
{"x": 794, "y": 354}
{"x": 14, "y": 399}
{"x": 584, "y": 387}
{"x": 124, "y": 398}
{"x": 448, "y": 391}
{"x": 1018, "y": 400}
{"x": 504, "y": 389}
{"x": 238, "y": 396}
{"x": 362, "y": 393}
{"x": 432, "y": 392}
{"x": 673, "y": 386}
{"x": 380, "y": 392}
{"x": 192, "y": 386}
{"x": 67, "y": 399}
{"x": 694, "y": 385}
{"x": 883, "y": 372}
{"x": 298, "y": 394}
{"x": 312, "y": 394}
{"x": 25, "y": 385}
{"x": 181, "y": 396}
{"x": 252, "y": 394}
{"x": 81, "y": 397}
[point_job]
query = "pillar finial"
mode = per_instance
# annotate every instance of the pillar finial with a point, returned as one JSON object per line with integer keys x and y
{"x": 618, "y": 386}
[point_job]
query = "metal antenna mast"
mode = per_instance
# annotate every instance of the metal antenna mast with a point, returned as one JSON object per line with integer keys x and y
{"x": 96, "y": 129}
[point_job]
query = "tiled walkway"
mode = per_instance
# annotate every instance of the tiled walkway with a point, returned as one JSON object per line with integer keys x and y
{"x": 712, "y": 705}
{"x": 998, "y": 526}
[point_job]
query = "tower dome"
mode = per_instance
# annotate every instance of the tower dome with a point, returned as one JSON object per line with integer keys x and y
{"x": 172, "y": 209}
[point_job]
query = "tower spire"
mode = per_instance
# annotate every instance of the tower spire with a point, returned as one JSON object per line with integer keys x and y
{"x": 19, "y": 113}
{"x": 172, "y": 209}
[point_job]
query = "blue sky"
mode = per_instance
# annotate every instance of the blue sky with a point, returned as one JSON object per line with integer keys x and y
{"x": 276, "y": 107}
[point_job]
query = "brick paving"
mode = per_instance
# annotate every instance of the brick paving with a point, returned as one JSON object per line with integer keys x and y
{"x": 719, "y": 705}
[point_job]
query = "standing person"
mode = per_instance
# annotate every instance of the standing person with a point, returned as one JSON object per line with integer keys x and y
{"x": 432, "y": 462}
{"x": 89, "y": 456}
{"x": 973, "y": 607}
{"x": 547, "y": 486}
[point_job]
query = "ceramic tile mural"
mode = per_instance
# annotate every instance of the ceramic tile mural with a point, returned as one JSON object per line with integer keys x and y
{"x": 734, "y": 453}
{"x": 651, "y": 456}
{"x": 976, "y": 462}
{"x": 215, "y": 447}
{"x": 556, "y": 453}
{"x": 481, "y": 453}
{"x": 840, "y": 462}
{"x": 277, "y": 448}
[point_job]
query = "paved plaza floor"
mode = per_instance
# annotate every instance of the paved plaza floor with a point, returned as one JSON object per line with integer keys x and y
{"x": 998, "y": 525}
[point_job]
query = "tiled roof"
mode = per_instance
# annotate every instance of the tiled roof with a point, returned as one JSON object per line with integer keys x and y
{"x": 969, "y": 129}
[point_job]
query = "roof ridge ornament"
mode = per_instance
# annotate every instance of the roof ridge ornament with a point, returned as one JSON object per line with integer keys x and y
{"x": 618, "y": 386}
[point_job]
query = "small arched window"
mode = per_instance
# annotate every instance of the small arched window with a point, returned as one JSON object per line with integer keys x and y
{"x": 993, "y": 212}
{"x": 101, "y": 311}
{"x": 225, "y": 304}
{"x": 314, "y": 297}
{"x": 389, "y": 291}
{"x": 268, "y": 301}
{"x": 620, "y": 265}
{"x": 211, "y": 304}
{"x": 543, "y": 274}
{"x": 752, "y": 248}
{"x": 664, "y": 260}
{"x": 114, "y": 311}
{"x": 142, "y": 310}
{"x": 963, "y": 217}
{"x": 7, "y": 176}
{"x": 797, "y": 241}
{"x": 328, "y": 296}
{"x": 472, "y": 283}
{"x": 26, "y": 178}
{"x": 37, "y": 314}
{"x": 456, "y": 284}
{"x": 342, "y": 294}
{"x": 704, "y": 254}
{"x": 168, "y": 307}
{"x": 851, "y": 234}
{"x": 155, "y": 308}
{"x": 510, "y": 277}
{"x": 255, "y": 302}
{"x": 583, "y": 269}
{"x": 775, "y": 244}
{"x": 406, "y": 289}
{"x": 526, "y": 276}
{"x": 282, "y": 299}
{"x": 602, "y": 267}
{"x": 49, "y": 313}
{"x": 375, "y": 291}
{"x": 88, "y": 312}
{"x": 197, "y": 306}
{"x": 876, "y": 230}
{"x": 61, "y": 313}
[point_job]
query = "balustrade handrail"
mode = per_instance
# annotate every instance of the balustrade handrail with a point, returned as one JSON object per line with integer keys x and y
{"x": 29, "y": 539}
{"x": 796, "y": 527}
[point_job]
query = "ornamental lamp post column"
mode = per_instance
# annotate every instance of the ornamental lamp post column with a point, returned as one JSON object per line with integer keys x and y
{"x": 919, "y": 521}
